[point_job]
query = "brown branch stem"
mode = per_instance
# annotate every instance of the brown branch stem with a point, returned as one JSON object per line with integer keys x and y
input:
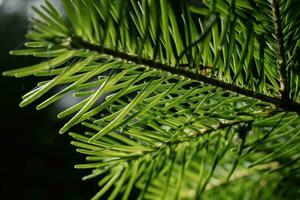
{"x": 289, "y": 106}
{"x": 284, "y": 88}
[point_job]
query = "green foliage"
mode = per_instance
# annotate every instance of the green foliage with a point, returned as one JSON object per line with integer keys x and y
{"x": 178, "y": 98}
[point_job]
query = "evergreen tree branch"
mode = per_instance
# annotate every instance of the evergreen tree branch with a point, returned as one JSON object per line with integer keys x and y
{"x": 77, "y": 42}
{"x": 284, "y": 87}
{"x": 207, "y": 131}
{"x": 163, "y": 125}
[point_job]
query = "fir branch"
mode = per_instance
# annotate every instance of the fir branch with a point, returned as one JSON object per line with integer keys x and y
{"x": 284, "y": 87}
{"x": 210, "y": 130}
{"x": 77, "y": 42}
{"x": 152, "y": 115}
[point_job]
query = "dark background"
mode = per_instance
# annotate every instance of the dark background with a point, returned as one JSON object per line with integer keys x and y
{"x": 36, "y": 162}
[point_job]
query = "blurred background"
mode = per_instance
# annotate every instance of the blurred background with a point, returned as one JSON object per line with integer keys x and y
{"x": 36, "y": 162}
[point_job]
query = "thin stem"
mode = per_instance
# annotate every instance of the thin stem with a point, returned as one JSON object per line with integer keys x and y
{"x": 198, "y": 135}
{"x": 208, "y": 131}
{"x": 284, "y": 88}
{"x": 289, "y": 106}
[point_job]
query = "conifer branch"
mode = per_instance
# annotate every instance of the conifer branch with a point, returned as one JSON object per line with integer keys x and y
{"x": 197, "y": 135}
{"x": 284, "y": 88}
{"x": 159, "y": 133}
{"x": 279, "y": 102}
{"x": 206, "y": 131}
